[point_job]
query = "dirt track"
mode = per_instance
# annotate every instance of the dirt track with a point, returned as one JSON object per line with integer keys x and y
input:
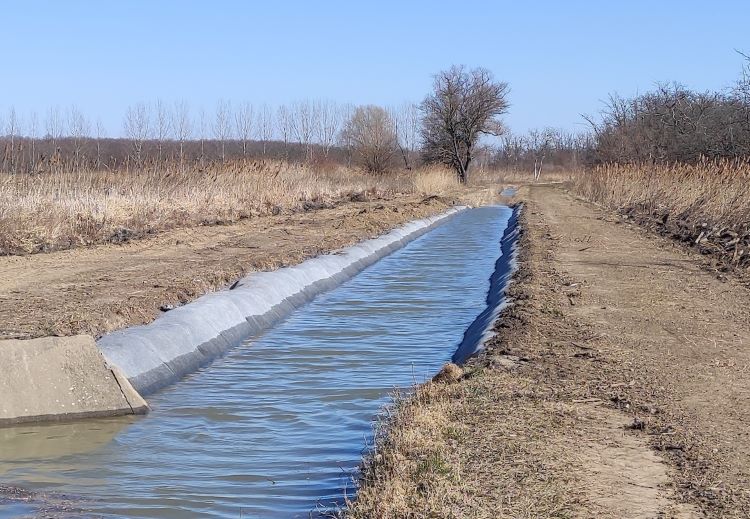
{"x": 103, "y": 288}
{"x": 673, "y": 341}
{"x": 617, "y": 386}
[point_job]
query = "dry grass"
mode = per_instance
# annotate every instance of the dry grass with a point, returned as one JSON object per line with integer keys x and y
{"x": 409, "y": 471}
{"x": 484, "y": 176}
{"x": 707, "y": 204}
{"x": 41, "y": 213}
{"x": 487, "y": 447}
{"x": 435, "y": 180}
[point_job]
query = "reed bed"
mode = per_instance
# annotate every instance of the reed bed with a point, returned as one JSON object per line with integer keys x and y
{"x": 706, "y": 204}
{"x": 435, "y": 180}
{"x": 47, "y": 212}
{"x": 511, "y": 175}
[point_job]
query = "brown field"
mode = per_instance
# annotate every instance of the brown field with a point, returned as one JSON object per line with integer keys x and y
{"x": 57, "y": 211}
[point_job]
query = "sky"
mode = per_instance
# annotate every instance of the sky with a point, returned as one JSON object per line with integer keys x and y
{"x": 561, "y": 59}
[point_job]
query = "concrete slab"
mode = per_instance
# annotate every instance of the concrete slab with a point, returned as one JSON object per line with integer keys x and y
{"x": 61, "y": 378}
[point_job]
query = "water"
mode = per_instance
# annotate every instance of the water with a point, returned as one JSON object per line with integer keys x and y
{"x": 277, "y": 427}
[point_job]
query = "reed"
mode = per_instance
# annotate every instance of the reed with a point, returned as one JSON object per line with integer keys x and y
{"x": 54, "y": 211}
{"x": 707, "y": 204}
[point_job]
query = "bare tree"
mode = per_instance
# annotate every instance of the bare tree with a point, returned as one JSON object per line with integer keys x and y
{"x": 463, "y": 106}
{"x": 54, "y": 126}
{"x": 406, "y": 120}
{"x": 33, "y": 136}
{"x": 79, "y": 128}
{"x": 328, "y": 124}
{"x": 345, "y": 140}
{"x": 303, "y": 123}
{"x": 101, "y": 133}
{"x": 265, "y": 125}
{"x": 223, "y": 125}
{"x": 284, "y": 123}
{"x": 372, "y": 136}
{"x": 163, "y": 126}
{"x": 137, "y": 127}
{"x": 182, "y": 125}
{"x": 12, "y": 131}
{"x": 202, "y": 128}
{"x": 244, "y": 120}
{"x": 540, "y": 142}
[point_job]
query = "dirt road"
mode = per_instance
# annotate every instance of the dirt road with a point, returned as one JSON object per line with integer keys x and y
{"x": 617, "y": 386}
{"x": 103, "y": 288}
{"x": 676, "y": 338}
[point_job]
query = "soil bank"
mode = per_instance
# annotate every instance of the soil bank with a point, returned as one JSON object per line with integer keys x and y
{"x": 104, "y": 288}
{"x": 616, "y": 386}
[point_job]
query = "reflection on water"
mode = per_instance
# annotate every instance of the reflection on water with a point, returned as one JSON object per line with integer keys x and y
{"x": 277, "y": 427}
{"x": 50, "y": 441}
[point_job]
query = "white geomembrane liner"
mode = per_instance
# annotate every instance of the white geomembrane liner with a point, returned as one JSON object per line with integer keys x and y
{"x": 189, "y": 337}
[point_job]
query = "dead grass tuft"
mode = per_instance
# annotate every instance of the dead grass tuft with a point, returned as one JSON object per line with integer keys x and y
{"x": 449, "y": 374}
{"x": 435, "y": 180}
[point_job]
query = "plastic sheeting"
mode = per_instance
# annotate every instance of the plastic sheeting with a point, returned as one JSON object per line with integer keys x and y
{"x": 187, "y": 338}
{"x": 481, "y": 330}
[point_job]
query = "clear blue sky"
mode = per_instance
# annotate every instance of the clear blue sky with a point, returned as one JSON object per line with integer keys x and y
{"x": 560, "y": 58}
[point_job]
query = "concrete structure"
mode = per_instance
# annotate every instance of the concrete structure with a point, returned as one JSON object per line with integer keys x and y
{"x": 189, "y": 337}
{"x": 61, "y": 378}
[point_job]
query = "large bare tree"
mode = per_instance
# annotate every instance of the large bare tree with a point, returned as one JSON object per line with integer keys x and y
{"x": 372, "y": 136}
{"x": 464, "y": 105}
{"x": 406, "y": 119}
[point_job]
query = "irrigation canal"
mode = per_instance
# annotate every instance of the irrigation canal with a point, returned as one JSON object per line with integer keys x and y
{"x": 277, "y": 427}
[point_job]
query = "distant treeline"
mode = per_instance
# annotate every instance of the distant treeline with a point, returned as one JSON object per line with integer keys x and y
{"x": 675, "y": 124}
{"x": 27, "y": 155}
{"x": 666, "y": 125}
{"x": 155, "y": 133}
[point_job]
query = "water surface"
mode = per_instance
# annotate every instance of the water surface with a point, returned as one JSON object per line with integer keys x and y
{"x": 277, "y": 427}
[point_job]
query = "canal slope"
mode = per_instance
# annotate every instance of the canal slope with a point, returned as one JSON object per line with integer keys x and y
{"x": 615, "y": 387}
{"x": 99, "y": 289}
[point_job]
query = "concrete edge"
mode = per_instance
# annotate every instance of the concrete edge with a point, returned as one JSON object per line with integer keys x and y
{"x": 56, "y": 379}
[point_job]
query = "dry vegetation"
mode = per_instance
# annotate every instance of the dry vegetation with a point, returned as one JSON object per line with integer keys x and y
{"x": 706, "y": 204}
{"x": 436, "y": 457}
{"x": 46, "y": 212}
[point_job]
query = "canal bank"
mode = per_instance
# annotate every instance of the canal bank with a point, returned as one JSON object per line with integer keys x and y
{"x": 587, "y": 402}
{"x": 189, "y": 337}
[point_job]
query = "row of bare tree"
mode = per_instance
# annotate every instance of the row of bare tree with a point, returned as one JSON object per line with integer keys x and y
{"x": 549, "y": 147}
{"x": 159, "y": 131}
{"x": 446, "y": 128}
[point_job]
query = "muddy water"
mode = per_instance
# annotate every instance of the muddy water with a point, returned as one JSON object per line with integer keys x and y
{"x": 277, "y": 427}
